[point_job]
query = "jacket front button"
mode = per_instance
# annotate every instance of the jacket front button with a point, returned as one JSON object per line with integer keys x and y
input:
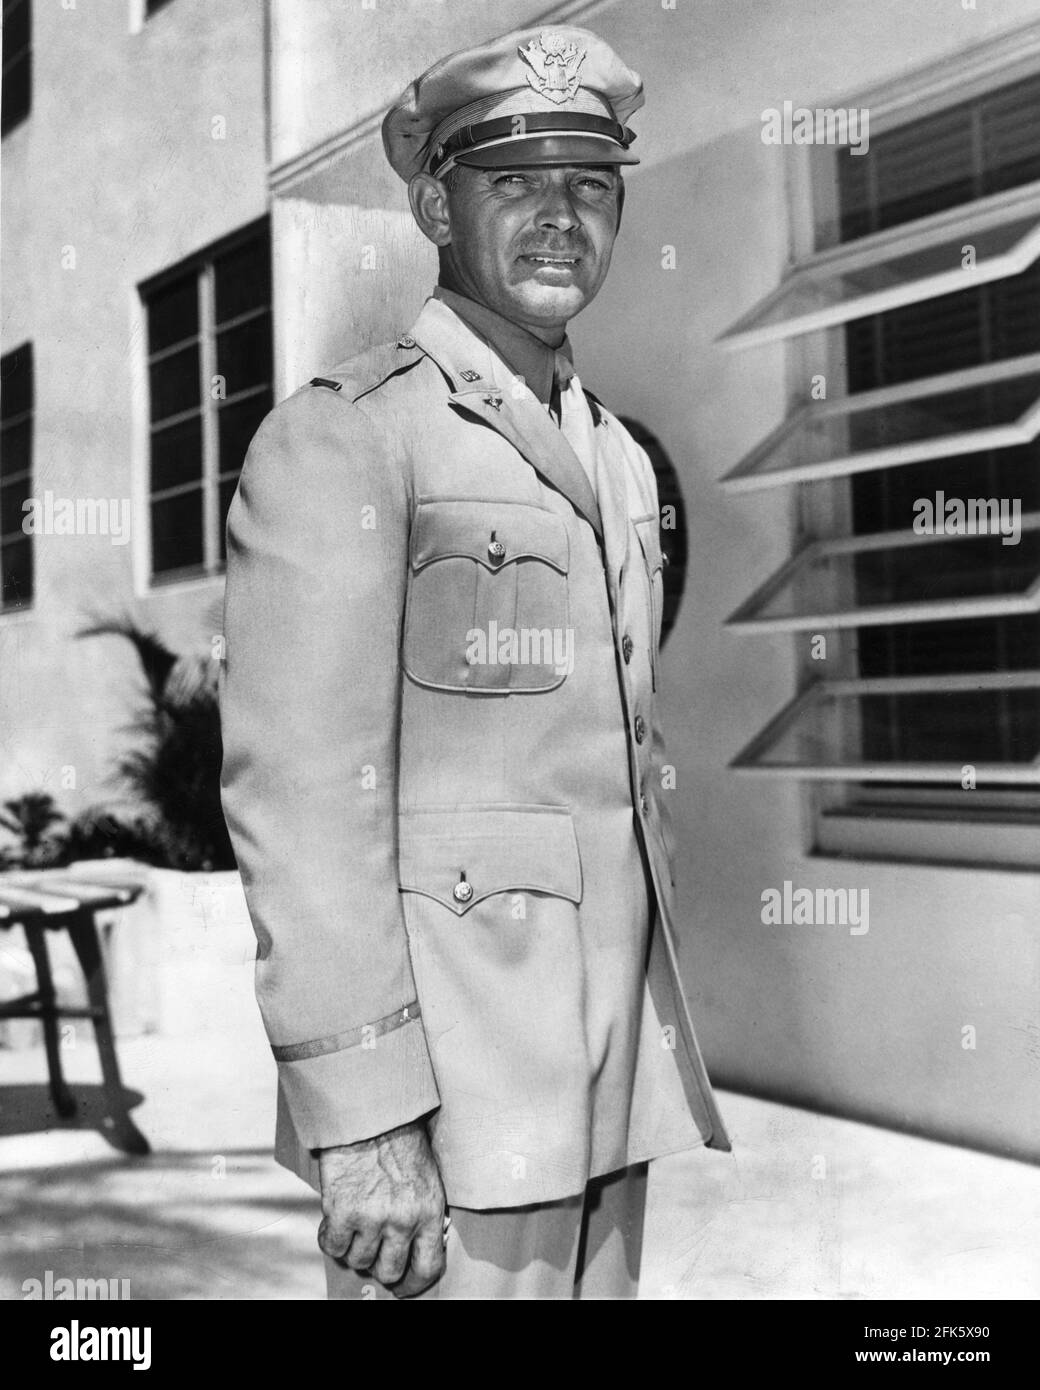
{"x": 463, "y": 891}
{"x": 644, "y": 805}
{"x": 627, "y": 647}
{"x": 639, "y": 728}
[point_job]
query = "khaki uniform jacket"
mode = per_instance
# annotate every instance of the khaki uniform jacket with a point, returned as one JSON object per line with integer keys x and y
{"x": 450, "y": 822}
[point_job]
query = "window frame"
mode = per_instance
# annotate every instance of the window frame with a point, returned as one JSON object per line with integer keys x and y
{"x": 202, "y": 265}
{"x": 8, "y": 609}
{"x": 749, "y": 618}
{"x": 872, "y": 820}
{"x": 1022, "y": 204}
{"x": 10, "y": 61}
{"x": 750, "y": 758}
{"x": 749, "y": 476}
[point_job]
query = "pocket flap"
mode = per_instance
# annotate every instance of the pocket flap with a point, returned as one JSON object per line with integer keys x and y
{"x": 494, "y": 849}
{"x": 492, "y": 533}
{"x": 649, "y": 531}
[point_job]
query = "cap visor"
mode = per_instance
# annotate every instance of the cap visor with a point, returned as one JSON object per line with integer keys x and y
{"x": 551, "y": 149}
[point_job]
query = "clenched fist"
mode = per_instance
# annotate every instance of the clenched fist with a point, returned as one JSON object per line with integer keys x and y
{"x": 382, "y": 1204}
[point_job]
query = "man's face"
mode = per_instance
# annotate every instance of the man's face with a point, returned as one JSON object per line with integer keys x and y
{"x": 532, "y": 243}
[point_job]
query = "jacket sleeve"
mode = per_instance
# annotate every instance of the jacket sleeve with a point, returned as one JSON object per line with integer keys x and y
{"x": 316, "y": 571}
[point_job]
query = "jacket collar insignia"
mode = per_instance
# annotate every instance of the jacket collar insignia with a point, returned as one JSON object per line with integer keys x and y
{"x": 444, "y": 338}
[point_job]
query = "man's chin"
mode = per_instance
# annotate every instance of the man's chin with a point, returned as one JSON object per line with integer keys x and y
{"x": 549, "y": 304}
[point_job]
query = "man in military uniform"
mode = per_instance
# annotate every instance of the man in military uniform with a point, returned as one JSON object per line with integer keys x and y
{"x": 442, "y": 767}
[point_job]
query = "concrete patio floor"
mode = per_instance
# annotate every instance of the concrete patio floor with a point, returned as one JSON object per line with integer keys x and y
{"x": 806, "y": 1207}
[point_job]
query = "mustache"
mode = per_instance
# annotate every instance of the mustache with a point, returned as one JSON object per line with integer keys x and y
{"x": 575, "y": 247}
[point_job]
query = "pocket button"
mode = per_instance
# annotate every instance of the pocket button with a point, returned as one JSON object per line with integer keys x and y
{"x": 463, "y": 891}
{"x": 496, "y": 551}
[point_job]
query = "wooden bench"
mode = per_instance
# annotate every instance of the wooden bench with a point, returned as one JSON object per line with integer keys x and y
{"x": 64, "y": 900}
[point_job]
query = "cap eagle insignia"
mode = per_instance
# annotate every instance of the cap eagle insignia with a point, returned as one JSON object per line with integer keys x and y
{"x": 554, "y": 62}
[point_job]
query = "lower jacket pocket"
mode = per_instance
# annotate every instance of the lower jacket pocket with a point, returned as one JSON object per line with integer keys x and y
{"x": 462, "y": 855}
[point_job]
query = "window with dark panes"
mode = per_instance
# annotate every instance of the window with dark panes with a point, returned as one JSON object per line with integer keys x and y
{"x": 243, "y": 329}
{"x": 16, "y": 87}
{"x": 970, "y": 151}
{"x": 922, "y": 297}
{"x": 210, "y": 385}
{"x": 16, "y": 440}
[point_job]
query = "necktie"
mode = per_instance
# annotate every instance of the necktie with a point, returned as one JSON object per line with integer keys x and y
{"x": 562, "y": 373}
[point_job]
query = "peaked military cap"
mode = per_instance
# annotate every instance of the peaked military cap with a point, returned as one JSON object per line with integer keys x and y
{"x": 559, "y": 95}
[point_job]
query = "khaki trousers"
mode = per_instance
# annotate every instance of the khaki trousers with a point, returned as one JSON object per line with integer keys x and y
{"x": 588, "y": 1246}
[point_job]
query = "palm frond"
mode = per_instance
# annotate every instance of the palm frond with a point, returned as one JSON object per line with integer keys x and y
{"x": 157, "y": 661}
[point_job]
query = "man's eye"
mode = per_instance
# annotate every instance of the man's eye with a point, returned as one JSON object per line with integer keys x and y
{"x": 511, "y": 178}
{"x": 597, "y": 184}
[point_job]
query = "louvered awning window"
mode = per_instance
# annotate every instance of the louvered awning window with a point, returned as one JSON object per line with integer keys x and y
{"x": 932, "y": 299}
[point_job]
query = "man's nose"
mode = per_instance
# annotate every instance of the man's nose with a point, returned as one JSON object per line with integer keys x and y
{"x": 557, "y": 210}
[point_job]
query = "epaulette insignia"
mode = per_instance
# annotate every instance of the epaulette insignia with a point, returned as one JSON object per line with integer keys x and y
{"x": 324, "y": 381}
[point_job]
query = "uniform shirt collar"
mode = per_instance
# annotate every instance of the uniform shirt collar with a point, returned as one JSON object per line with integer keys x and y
{"x": 520, "y": 350}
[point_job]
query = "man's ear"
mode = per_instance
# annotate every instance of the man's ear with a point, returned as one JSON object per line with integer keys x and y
{"x": 428, "y": 198}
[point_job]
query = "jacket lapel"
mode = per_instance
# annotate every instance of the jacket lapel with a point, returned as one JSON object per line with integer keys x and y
{"x": 520, "y": 419}
{"x": 612, "y": 487}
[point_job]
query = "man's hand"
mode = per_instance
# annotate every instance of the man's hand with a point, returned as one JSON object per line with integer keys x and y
{"x": 382, "y": 1204}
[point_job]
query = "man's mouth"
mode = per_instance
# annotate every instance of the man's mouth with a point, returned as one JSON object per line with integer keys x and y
{"x": 548, "y": 258}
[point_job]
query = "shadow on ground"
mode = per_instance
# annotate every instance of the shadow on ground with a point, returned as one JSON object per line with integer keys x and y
{"x": 174, "y": 1225}
{"x": 29, "y": 1109}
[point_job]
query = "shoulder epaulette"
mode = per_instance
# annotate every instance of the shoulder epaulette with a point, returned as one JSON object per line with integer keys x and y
{"x": 370, "y": 370}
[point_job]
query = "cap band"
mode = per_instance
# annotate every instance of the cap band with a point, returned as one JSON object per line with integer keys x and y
{"x": 520, "y": 127}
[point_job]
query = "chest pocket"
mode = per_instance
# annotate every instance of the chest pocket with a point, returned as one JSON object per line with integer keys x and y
{"x": 649, "y": 532}
{"x": 487, "y": 609}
